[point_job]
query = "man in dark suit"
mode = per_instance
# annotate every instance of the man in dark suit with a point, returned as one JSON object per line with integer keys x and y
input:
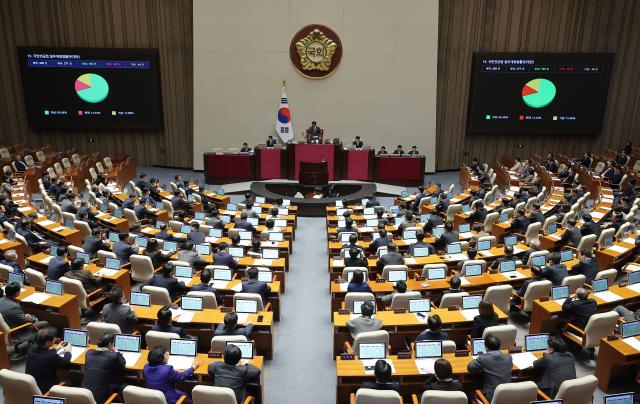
{"x": 479, "y": 213}
{"x": 141, "y": 210}
{"x": 616, "y": 177}
{"x": 35, "y": 242}
{"x": 448, "y": 237}
{"x": 358, "y": 143}
{"x": 243, "y": 224}
{"x": 494, "y": 366}
{"x": 118, "y": 313}
{"x": 572, "y": 235}
{"x": 18, "y": 164}
{"x": 508, "y": 256}
{"x": 589, "y": 226}
{"x": 271, "y": 141}
{"x": 222, "y": 257}
{"x": 419, "y": 196}
{"x": 76, "y": 271}
{"x": 58, "y": 265}
{"x": 581, "y": 308}
{"x": 399, "y": 150}
{"x": 348, "y": 227}
{"x": 129, "y": 203}
{"x": 382, "y": 371}
{"x": 245, "y": 148}
{"x": 443, "y": 203}
{"x": 382, "y": 241}
{"x": 104, "y": 369}
{"x": 442, "y": 378}
{"x": 555, "y": 271}
{"x": 142, "y": 182}
{"x": 196, "y": 235}
{"x": 230, "y": 327}
{"x": 253, "y": 285}
{"x": 123, "y": 248}
{"x": 588, "y": 266}
{"x": 43, "y": 361}
{"x": 355, "y": 259}
{"x": 179, "y": 203}
{"x": 536, "y": 214}
{"x": 230, "y": 374}
{"x": 372, "y": 202}
{"x": 95, "y": 242}
{"x": 421, "y": 243}
{"x": 556, "y": 366}
{"x": 391, "y": 258}
{"x": 165, "y": 279}
{"x": 163, "y": 234}
{"x": 520, "y": 223}
{"x": 409, "y": 222}
{"x": 14, "y": 316}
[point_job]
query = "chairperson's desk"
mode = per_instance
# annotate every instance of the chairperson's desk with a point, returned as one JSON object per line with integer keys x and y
{"x": 202, "y": 323}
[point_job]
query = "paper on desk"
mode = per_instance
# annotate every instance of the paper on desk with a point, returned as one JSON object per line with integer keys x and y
{"x": 186, "y": 316}
{"x": 633, "y": 341}
{"x": 422, "y": 319}
{"x": 237, "y": 287}
{"x": 343, "y": 286}
{"x": 45, "y": 222}
{"x": 425, "y": 365}
{"x": 469, "y": 314}
{"x": 560, "y": 301}
{"x": 633, "y": 267}
{"x": 523, "y": 360}
{"x": 46, "y": 259}
{"x": 181, "y": 362}
{"x": 464, "y": 281}
{"x": 148, "y": 230}
{"x": 176, "y": 312}
{"x": 454, "y": 200}
{"x": 4, "y": 240}
{"x": 457, "y": 257}
{"x": 57, "y": 229}
{"x": 211, "y": 240}
{"x": 36, "y": 298}
{"x": 517, "y": 250}
{"x": 514, "y": 275}
{"x": 618, "y": 248}
{"x": 76, "y": 351}
{"x": 410, "y": 261}
{"x": 106, "y": 272}
{"x": 338, "y": 263}
{"x": 262, "y": 262}
{"x": 629, "y": 240}
{"x": 186, "y": 281}
{"x": 367, "y": 217}
{"x": 370, "y": 363}
{"x": 554, "y": 236}
{"x": 131, "y": 358}
{"x": 607, "y": 296}
{"x": 24, "y": 208}
{"x": 242, "y": 318}
{"x": 244, "y": 243}
{"x": 635, "y": 287}
{"x": 597, "y": 215}
{"x": 466, "y": 235}
{"x": 365, "y": 229}
{"x": 487, "y": 253}
{"x": 220, "y": 284}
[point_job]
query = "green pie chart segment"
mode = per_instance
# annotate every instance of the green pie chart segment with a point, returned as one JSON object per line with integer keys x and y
{"x": 92, "y": 87}
{"x": 538, "y": 93}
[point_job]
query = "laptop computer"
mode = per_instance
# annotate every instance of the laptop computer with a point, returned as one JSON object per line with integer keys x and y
{"x": 510, "y": 240}
{"x": 15, "y": 277}
{"x": 622, "y": 398}
{"x": 455, "y": 248}
{"x": 422, "y": 305}
{"x": 372, "y": 223}
{"x": 471, "y": 302}
{"x": 477, "y": 346}
{"x": 436, "y": 273}
{"x": 421, "y": 252}
{"x": 203, "y": 249}
{"x": 245, "y": 306}
{"x": 630, "y": 329}
{"x": 409, "y": 235}
{"x": 633, "y": 277}
{"x": 232, "y": 207}
{"x": 270, "y": 253}
{"x": 245, "y": 235}
{"x": 53, "y": 250}
{"x": 140, "y": 299}
{"x": 265, "y": 276}
{"x": 283, "y": 211}
{"x": 112, "y": 263}
{"x": 404, "y": 194}
{"x": 53, "y": 287}
{"x": 129, "y": 347}
{"x": 552, "y": 228}
{"x": 215, "y": 233}
{"x": 536, "y": 342}
{"x": 183, "y": 352}
{"x": 222, "y": 274}
{"x": 236, "y": 252}
{"x": 425, "y": 217}
{"x": 185, "y": 228}
{"x": 503, "y": 217}
{"x": 260, "y": 200}
{"x": 199, "y": 216}
{"x": 396, "y": 275}
{"x": 48, "y": 400}
{"x": 246, "y": 348}
{"x": 398, "y": 220}
{"x": 566, "y": 255}
{"x": 220, "y": 191}
{"x": 484, "y": 245}
{"x": 78, "y": 339}
{"x": 280, "y": 223}
{"x": 253, "y": 220}
{"x": 428, "y": 349}
{"x": 344, "y": 236}
{"x": 539, "y": 260}
{"x": 182, "y": 271}
{"x": 599, "y": 285}
{"x": 559, "y": 292}
{"x": 394, "y": 209}
{"x": 507, "y": 266}
{"x": 226, "y": 219}
{"x": 369, "y": 211}
{"x": 193, "y": 303}
{"x": 473, "y": 270}
{"x": 170, "y": 246}
{"x": 276, "y": 237}
{"x": 142, "y": 242}
{"x": 372, "y": 351}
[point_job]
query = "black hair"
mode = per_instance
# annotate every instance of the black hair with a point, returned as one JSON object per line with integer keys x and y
{"x": 77, "y": 263}
{"x": 62, "y": 251}
{"x": 232, "y": 354}
{"x": 45, "y": 335}
{"x": 557, "y": 344}
{"x": 434, "y": 323}
{"x": 442, "y": 368}
{"x": 205, "y": 276}
{"x": 354, "y": 252}
{"x": 230, "y": 320}
{"x": 121, "y": 236}
{"x": 455, "y": 282}
{"x": 115, "y": 294}
{"x": 367, "y": 309}
{"x": 492, "y": 343}
{"x": 401, "y": 286}
{"x": 156, "y": 355}
{"x": 252, "y": 273}
{"x": 106, "y": 339}
{"x": 164, "y": 316}
{"x": 358, "y": 277}
{"x": 382, "y": 371}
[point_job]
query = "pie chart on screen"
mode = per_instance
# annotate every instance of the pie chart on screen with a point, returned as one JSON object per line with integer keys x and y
{"x": 538, "y": 93}
{"x": 92, "y": 87}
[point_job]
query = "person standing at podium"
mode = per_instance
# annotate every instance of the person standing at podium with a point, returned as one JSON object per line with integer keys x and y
{"x": 271, "y": 141}
{"x": 399, "y": 150}
{"x": 382, "y": 152}
{"x": 357, "y": 143}
{"x": 314, "y": 133}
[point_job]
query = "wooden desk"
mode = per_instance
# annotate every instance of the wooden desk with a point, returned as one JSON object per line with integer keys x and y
{"x": 614, "y": 359}
{"x": 66, "y": 312}
{"x": 6, "y": 245}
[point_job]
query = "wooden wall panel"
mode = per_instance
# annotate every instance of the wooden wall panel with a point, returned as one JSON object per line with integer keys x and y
{"x": 162, "y": 24}
{"x": 467, "y": 26}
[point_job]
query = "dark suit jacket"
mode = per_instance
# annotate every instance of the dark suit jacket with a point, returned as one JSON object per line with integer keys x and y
{"x": 556, "y": 367}
{"x": 357, "y": 262}
{"x": 261, "y": 288}
{"x": 536, "y": 217}
{"x": 581, "y": 310}
{"x": 225, "y": 259}
{"x": 234, "y": 377}
{"x": 571, "y": 237}
{"x": 390, "y": 259}
{"x": 103, "y": 372}
{"x": 590, "y": 228}
{"x": 395, "y": 386}
{"x": 167, "y": 282}
{"x": 170, "y": 328}
{"x": 116, "y": 313}
{"x": 244, "y": 225}
{"x": 93, "y": 244}
{"x": 433, "y": 383}
{"x": 429, "y": 335}
{"x": 480, "y": 323}
{"x": 246, "y": 331}
{"x": 358, "y": 287}
{"x": 123, "y": 250}
{"x": 446, "y": 239}
{"x": 14, "y": 316}
{"x": 588, "y": 267}
{"x": 57, "y": 268}
{"x": 520, "y": 224}
{"x": 478, "y": 216}
{"x": 555, "y": 273}
{"x": 377, "y": 243}
{"x": 89, "y": 282}
{"x": 42, "y": 364}
{"x": 495, "y": 368}
{"x": 196, "y": 236}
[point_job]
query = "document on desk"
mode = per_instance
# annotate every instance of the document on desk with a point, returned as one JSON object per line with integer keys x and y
{"x": 633, "y": 341}
{"x": 220, "y": 284}
{"x": 45, "y": 222}
{"x": 371, "y": 363}
{"x": 618, "y": 248}
{"x": 186, "y": 316}
{"x": 517, "y": 250}
{"x": 4, "y": 240}
{"x": 262, "y": 262}
{"x": 36, "y": 298}
{"x": 597, "y": 215}
{"x": 559, "y": 301}
{"x": 487, "y": 253}
{"x": 425, "y": 365}
{"x": 554, "y": 236}
{"x": 466, "y": 235}
{"x": 76, "y": 351}
{"x": 338, "y": 263}
{"x": 423, "y": 319}
{"x": 365, "y": 229}
{"x": 464, "y": 281}
{"x": 181, "y": 362}
{"x": 24, "y": 208}
{"x": 344, "y": 285}
{"x": 46, "y": 259}
{"x": 367, "y": 217}
{"x": 629, "y": 240}
{"x": 106, "y": 272}
{"x": 633, "y": 267}
{"x": 242, "y": 318}
{"x": 147, "y": 230}
{"x": 457, "y": 257}
{"x": 635, "y": 287}
{"x": 176, "y": 313}
{"x": 607, "y": 296}
{"x": 186, "y": 281}
{"x": 237, "y": 287}
{"x": 131, "y": 358}
{"x": 469, "y": 314}
{"x": 58, "y": 229}
{"x": 523, "y": 360}
{"x": 244, "y": 243}
{"x": 410, "y": 261}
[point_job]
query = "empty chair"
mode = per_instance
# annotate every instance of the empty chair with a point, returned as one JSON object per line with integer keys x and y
{"x": 58, "y": 168}
{"x": 68, "y": 216}
{"x": 75, "y": 157}
{"x": 608, "y": 274}
{"x": 18, "y": 387}
{"x": 131, "y": 217}
{"x": 566, "y": 218}
{"x": 95, "y": 329}
{"x": 622, "y": 230}
{"x": 93, "y": 174}
{"x": 140, "y": 395}
{"x": 8, "y": 332}
{"x": 448, "y": 346}
{"x": 103, "y": 255}
{"x": 532, "y": 232}
{"x": 489, "y": 221}
{"x": 52, "y": 173}
{"x": 499, "y": 296}
{"x": 28, "y": 159}
{"x": 578, "y": 391}
{"x": 166, "y": 205}
{"x": 85, "y": 300}
{"x": 574, "y": 282}
{"x": 535, "y": 290}
{"x": 75, "y": 395}
{"x": 83, "y": 228}
{"x": 452, "y": 299}
{"x": 219, "y": 395}
{"x": 100, "y": 167}
{"x": 208, "y": 299}
{"x": 442, "y": 397}
{"x": 401, "y": 300}
{"x": 66, "y": 163}
{"x": 219, "y": 342}
{"x": 513, "y": 393}
{"x": 549, "y": 221}
{"x": 251, "y": 296}
{"x": 586, "y": 243}
{"x": 505, "y": 333}
{"x": 158, "y": 295}
{"x": 41, "y": 156}
{"x": 155, "y": 338}
{"x": 352, "y": 297}
{"x": 36, "y": 278}
{"x": 600, "y": 325}
{"x": 108, "y": 163}
{"x": 452, "y": 210}
{"x": 610, "y": 232}
{"x": 370, "y": 396}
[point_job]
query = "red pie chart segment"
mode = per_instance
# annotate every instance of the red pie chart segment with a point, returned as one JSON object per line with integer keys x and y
{"x": 526, "y": 90}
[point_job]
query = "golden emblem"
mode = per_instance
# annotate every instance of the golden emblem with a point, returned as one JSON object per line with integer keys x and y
{"x": 316, "y": 50}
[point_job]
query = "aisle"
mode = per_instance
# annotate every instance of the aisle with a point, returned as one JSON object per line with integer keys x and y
{"x": 302, "y": 370}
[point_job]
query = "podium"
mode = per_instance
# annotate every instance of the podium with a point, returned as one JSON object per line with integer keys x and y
{"x": 314, "y": 174}
{"x": 331, "y": 153}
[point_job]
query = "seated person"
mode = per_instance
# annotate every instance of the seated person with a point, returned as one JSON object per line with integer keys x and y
{"x": 414, "y": 151}
{"x": 271, "y": 141}
{"x": 454, "y": 287}
{"x": 231, "y": 374}
{"x": 164, "y": 234}
{"x": 357, "y": 143}
{"x": 508, "y": 256}
{"x": 118, "y": 313}
{"x": 555, "y": 271}
{"x": 123, "y": 248}
{"x": 433, "y": 331}
{"x": 382, "y": 371}
{"x": 58, "y": 265}
{"x": 355, "y": 259}
{"x": 222, "y": 257}
{"x": 153, "y": 251}
{"x": 365, "y": 322}
{"x": 520, "y": 223}
{"x": 486, "y": 318}
{"x": 159, "y": 375}
{"x": 448, "y": 237}
{"x": 420, "y": 243}
{"x": 253, "y": 285}
{"x": 589, "y": 226}
{"x": 90, "y": 282}
{"x": 314, "y": 133}
{"x": 556, "y": 366}
{"x": 205, "y": 286}
{"x": 495, "y": 366}
{"x": 391, "y": 258}
{"x": 165, "y": 279}
{"x": 43, "y": 361}
{"x": 588, "y": 266}
{"x": 104, "y": 368}
{"x": 399, "y": 150}
{"x": 408, "y": 222}
{"x": 572, "y": 234}
{"x": 382, "y": 152}
{"x": 11, "y": 260}
{"x": 14, "y": 316}
{"x": 245, "y": 148}
{"x": 579, "y": 308}
{"x": 442, "y": 378}
{"x": 188, "y": 253}
{"x": 348, "y": 227}
{"x": 479, "y": 213}
{"x": 164, "y": 323}
{"x": 243, "y": 223}
{"x": 382, "y": 241}
{"x": 400, "y": 287}
{"x": 196, "y": 236}
{"x": 358, "y": 283}
{"x": 230, "y": 327}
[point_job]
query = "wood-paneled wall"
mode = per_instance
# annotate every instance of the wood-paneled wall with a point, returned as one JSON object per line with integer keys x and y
{"x": 468, "y": 26}
{"x": 162, "y": 24}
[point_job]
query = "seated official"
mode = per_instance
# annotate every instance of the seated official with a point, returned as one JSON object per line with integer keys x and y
{"x": 579, "y": 309}
{"x": 400, "y": 287}
{"x": 365, "y": 322}
{"x": 153, "y": 251}
{"x": 382, "y": 152}
{"x": 90, "y": 282}
{"x": 555, "y": 271}
{"x": 508, "y": 256}
{"x": 97, "y": 241}
{"x": 479, "y": 213}
{"x": 556, "y": 365}
{"x": 358, "y": 283}
{"x": 255, "y": 249}
{"x": 392, "y": 257}
{"x": 348, "y": 227}
{"x": 159, "y": 375}
{"x": 433, "y": 331}
{"x": 353, "y": 243}
{"x": 448, "y": 237}
{"x": 11, "y": 260}
{"x": 43, "y": 362}
{"x": 536, "y": 215}
{"x": 244, "y": 224}
{"x": 165, "y": 279}
{"x": 372, "y": 201}
{"x": 382, "y": 241}
{"x": 58, "y": 265}
{"x": 442, "y": 378}
{"x": 248, "y": 210}
{"x": 230, "y": 327}
{"x": 14, "y": 316}
{"x": 454, "y": 287}
{"x": 355, "y": 259}
{"x": 382, "y": 221}
{"x": 245, "y": 148}
{"x": 398, "y": 150}
{"x": 205, "y": 286}
{"x": 129, "y": 203}
{"x": 314, "y": 133}
{"x": 222, "y": 257}
{"x": 253, "y": 285}
{"x": 571, "y": 236}
{"x": 382, "y": 371}
{"x": 420, "y": 243}
{"x": 409, "y": 221}
{"x": 188, "y": 253}
{"x": 486, "y": 318}
{"x": 104, "y": 368}
{"x": 233, "y": 375}
{"x": 118, "y": 313}
{"x": 414, "y": 151}
{"x": 589, "y": 226}
{"x": 123, "y": 248}
{"x": 196, "y": 236}
{"x": 164, "y": 323}
{"x": 520, "y": 223}
{"x": 270, "y": 142}
{"x": 164, "y": 234}
{"x": 588, "y": 266}
{"x": 357, "y": 143}
{"x": 495, "y": 366}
